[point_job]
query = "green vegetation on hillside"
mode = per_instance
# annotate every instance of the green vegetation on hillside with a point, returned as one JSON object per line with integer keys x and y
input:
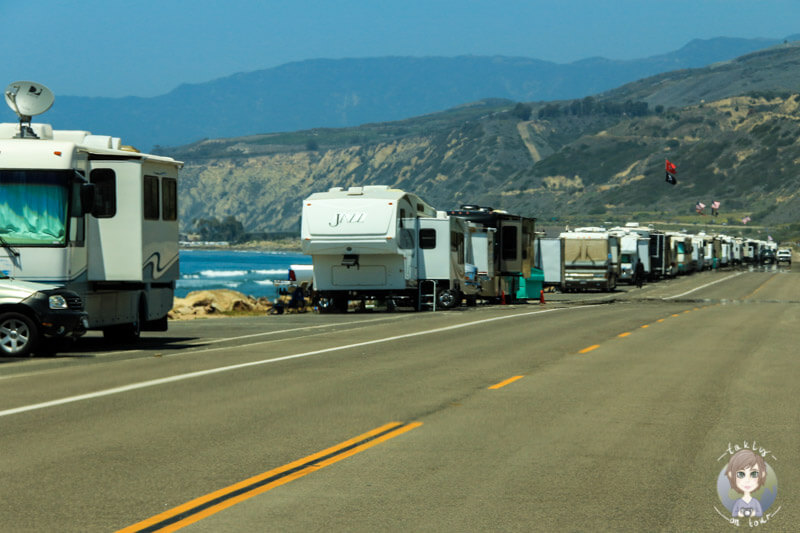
{"x": 598, "y": 158}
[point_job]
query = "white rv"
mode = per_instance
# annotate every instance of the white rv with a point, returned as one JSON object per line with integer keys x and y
{"x": 84, "y": 212}
{"x": 634, "y": 245}
{"x": 378, "y": 242}
{"x": 699, "y": 251}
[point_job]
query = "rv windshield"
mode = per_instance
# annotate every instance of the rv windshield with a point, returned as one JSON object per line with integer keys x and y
{"x": 33, "y": 206}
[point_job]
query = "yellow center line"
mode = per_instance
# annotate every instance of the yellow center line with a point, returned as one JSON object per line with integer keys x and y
{"x": 624, "y": 334}
{"x": 676, "y": 315}
{"x": 589, "y": 348}
{"x": 505, "y": 382}
{"x": 646, "y": 326}
{"x": 660, "y": 320}
{"x": 204, "y": 506}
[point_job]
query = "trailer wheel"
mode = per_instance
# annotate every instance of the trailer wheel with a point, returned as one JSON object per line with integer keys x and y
{"x": 18, "y": 335}
{"x": 448, "y": 299}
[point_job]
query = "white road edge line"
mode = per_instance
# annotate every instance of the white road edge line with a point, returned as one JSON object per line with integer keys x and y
{"x": 702, "y": 286}
{"x": 217, "y": 341}
{"x": 201, "y": 373}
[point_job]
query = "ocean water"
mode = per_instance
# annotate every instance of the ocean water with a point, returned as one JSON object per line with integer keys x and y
{"x": 250, "y": 272}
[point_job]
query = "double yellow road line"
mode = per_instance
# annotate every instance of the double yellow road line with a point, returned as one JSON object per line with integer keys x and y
{"x": 212, "y": 503}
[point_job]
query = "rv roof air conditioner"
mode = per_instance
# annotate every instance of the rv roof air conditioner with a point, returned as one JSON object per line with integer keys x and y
{"x": 336, "y": 189}
{"x": 102, "y": 141}
{"x": 355, "y": 191}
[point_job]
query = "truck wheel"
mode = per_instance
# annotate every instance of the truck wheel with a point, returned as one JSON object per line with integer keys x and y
{"x": 18, "y": 335}
{"x": 126, "y": 332}
{"x": 448, "y": 299}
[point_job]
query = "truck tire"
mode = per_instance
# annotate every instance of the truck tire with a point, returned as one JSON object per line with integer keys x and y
{"x": 130, "y": 332}
{"x": 18, "y": 335}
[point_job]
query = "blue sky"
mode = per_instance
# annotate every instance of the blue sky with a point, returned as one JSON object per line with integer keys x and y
{"x": 147, "y": 47}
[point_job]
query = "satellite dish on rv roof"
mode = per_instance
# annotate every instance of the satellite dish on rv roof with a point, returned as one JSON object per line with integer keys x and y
{"x": 28, "y": 98}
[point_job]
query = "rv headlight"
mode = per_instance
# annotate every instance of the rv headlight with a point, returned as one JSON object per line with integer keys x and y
{"x": 57, "y": 301}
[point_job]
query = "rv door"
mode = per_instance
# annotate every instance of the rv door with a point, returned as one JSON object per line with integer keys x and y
{"x": 408, "y": 245}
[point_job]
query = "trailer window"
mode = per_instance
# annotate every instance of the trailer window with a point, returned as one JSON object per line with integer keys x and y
{"x": 509, "y": 240}
{"x": 105, "y": 202}
{"x": 427, "y": 238}
{"x": 150, "y": 198}
{"x": 169, "y": 199}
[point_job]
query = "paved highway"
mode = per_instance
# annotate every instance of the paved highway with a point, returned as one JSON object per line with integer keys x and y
{"x": 588, "y": 413}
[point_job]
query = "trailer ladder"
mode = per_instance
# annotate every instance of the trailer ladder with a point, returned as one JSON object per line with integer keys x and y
{"x": 426, "y": 299}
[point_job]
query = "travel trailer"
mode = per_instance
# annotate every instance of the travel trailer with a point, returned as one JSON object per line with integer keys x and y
{"x": 513, "y": 253}
{"x": 378, "y": 242}
{"x": 85, "y": 212}
{"x": 591, "y": 259}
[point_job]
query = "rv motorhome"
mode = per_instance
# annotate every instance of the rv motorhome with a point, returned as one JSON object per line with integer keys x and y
{"x": 84, "y": 212}
{"x": 591, "y": 259}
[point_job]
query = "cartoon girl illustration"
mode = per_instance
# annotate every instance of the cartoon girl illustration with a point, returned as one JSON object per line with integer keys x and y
{"x": 746, "y": 473}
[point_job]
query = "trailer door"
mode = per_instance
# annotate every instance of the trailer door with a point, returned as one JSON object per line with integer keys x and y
{"x": 511, "y": 246}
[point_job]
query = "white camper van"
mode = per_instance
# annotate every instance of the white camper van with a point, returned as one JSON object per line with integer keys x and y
{"x": 84, "y": 212}
{"x": 378, "y": 242}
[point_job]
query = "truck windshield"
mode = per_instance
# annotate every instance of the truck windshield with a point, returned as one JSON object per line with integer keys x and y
{"x": 33, "y": 206}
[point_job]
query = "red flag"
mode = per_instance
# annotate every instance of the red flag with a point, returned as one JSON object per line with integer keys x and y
{"x": 671, "y": 168}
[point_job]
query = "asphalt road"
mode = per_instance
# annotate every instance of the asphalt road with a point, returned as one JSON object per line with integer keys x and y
{"x": 591, "y": 412}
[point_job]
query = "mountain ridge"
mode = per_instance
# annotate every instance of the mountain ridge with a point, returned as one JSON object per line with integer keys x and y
{"x": 601, "y": 156}
{"x": 350, "y": 92}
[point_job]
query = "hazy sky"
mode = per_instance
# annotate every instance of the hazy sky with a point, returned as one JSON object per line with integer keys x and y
{"x": 148, "y": 47}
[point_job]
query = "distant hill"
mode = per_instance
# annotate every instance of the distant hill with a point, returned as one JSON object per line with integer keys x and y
{"x": 736, "y": 141}
{"x": 351, "y": 92}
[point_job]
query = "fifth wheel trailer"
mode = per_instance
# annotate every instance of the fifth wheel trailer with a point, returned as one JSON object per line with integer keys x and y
{"x": 379, "y": 242}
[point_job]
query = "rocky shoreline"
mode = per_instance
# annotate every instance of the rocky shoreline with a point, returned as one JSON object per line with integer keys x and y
{"x": 225, "y": 302}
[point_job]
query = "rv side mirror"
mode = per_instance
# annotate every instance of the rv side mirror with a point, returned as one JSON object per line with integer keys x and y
{"x": 88, "y": 191}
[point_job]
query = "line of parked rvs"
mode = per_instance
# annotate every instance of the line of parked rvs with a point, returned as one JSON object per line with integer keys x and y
{"x": 376, "y": 242}
{"x": 599, "y": 258}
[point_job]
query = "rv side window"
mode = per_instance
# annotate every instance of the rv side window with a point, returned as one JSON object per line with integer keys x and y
{"x": 509, "y": 239}
{"x": 169, "y": 199}
{"x": 105, "y": 202}
{"x": 427, "y": 238}
{"x": 150, "y": 198}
